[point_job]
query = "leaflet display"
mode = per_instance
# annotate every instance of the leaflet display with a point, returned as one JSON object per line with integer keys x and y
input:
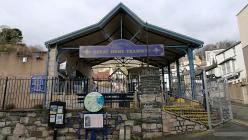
{"x": 56, "y": 114}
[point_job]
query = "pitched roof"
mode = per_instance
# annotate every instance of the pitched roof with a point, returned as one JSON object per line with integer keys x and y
{"x": 122, "y": 8}
{"x": 103, "y": 75}
{"x": 242, "y": 9}
{"x": 235, "y": 44}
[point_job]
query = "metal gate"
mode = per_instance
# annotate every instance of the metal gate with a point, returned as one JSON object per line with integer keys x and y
{"x": 218, "y": 100}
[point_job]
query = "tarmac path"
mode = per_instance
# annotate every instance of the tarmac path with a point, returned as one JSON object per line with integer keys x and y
{"x": 228, "y": 131}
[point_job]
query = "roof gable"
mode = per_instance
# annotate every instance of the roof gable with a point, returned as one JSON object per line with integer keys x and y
{"x": 121, "y": 8}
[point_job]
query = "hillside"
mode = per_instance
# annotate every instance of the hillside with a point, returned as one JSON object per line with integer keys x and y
{"x": 219, "y": 45}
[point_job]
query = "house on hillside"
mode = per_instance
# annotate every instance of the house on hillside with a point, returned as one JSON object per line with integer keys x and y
{"x": 231, "y": 66}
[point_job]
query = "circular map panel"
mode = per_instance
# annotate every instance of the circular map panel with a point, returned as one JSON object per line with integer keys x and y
{"x": 94, "y": 102}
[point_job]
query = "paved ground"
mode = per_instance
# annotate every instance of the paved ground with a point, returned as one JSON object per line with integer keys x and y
{"x": 240, "y": 112}
{"x": 228, "y": 131}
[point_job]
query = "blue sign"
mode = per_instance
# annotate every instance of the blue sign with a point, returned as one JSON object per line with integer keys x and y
{"x": 38, "y": 84}
{"x": 121, "y": 48}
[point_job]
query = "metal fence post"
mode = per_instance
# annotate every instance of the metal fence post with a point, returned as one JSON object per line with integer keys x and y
{"x": 52, "y": 90}
{"x": 45, "y": 101}
{"x": 228, "y": 98}
{"x": 221, "y": 111}
{"x": 207, "y": 98}
{"x": 220, "y": 101}
{"x": 5, "y": 92}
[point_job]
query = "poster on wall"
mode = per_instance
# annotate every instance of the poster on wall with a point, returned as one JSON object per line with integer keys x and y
{"x": 93, "y": 120}
{"x": 38, "y": 84}
{"x": 59, "y": 118}
{"x": 53, "y": 109}
{"x": 52, "y": 118}
{"x": 60, "y": 109}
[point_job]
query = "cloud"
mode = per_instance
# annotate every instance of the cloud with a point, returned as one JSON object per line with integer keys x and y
{"x": 42, "y": 20}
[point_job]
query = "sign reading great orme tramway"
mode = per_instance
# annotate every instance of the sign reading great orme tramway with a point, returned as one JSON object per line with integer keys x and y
{"x": 121, "y": 48}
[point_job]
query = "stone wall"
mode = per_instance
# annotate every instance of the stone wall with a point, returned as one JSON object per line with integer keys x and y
{"x": 33, "y": 125}
{"x": 134, "y": 124}
{"x": 24, "y": 125}
{"x": 12, "y": 64}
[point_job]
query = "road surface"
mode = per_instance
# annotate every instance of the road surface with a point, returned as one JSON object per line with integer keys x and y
{"x": 229, "y": 131}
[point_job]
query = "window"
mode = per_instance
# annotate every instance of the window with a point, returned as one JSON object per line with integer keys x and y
{"x": 207, "y": 56}
{"x": 228, "y": 67}
{"x": 233, "y": 66}
{"x": 223, "y": 69}
{"x": 234, "y": 51}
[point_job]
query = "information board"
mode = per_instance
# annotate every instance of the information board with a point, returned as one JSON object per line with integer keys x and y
{"x": 56, "y": 114}
{"x": 93, "y": 120}
{"x": 94, "y": 101}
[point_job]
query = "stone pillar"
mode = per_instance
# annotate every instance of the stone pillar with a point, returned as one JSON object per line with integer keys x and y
{"x": 52, "y": 63}
{"x": 150, "y": 99}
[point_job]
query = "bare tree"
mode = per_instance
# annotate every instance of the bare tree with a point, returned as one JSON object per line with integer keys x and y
{"x": 209, "y": 47}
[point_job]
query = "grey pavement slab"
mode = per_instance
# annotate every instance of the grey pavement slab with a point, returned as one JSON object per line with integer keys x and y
{"x": 228, "y": 131}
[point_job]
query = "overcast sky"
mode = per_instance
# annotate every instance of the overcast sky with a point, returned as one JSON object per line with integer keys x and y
{"x": 42, "y": 20}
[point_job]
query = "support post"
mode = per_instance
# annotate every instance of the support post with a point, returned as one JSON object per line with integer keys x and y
{"x": 169, "y": 76}
{"x": 93, "y": 134}
{"x": 51, "y": 71}
{"x": 4, "y": 93}
{"x": 163, "y": 78}
{"x": 121, "y": 26}
{"x": 55, "y": 133}
{"x": 191, "y": 70}
{"x": 207, "y": 98}
{"x": 178, "y": 78}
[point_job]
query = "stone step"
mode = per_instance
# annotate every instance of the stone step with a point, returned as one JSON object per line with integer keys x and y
{"x": 146, "y": 85}
{"x": 149, "y": 82}
{"x": 202, "y": 118}
{"x": 188, "y": 111}
{"x": 195, "y": 116}
{"x": 185, "y": 109}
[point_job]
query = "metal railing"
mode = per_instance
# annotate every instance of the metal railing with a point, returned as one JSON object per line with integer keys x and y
{"x": 211, "y": 103}
{"x": 185, "y": 91}
{"x": 37, "y": 93}
{"x": 117, "y": 93}
{"x": 17, "y": 94}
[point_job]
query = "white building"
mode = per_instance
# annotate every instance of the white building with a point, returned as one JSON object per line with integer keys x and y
{"x": 211, "y": 60}
{"x": 231, "y": 66}
{"x": 231, "y": 63}
{"x": 211, "y": 56}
